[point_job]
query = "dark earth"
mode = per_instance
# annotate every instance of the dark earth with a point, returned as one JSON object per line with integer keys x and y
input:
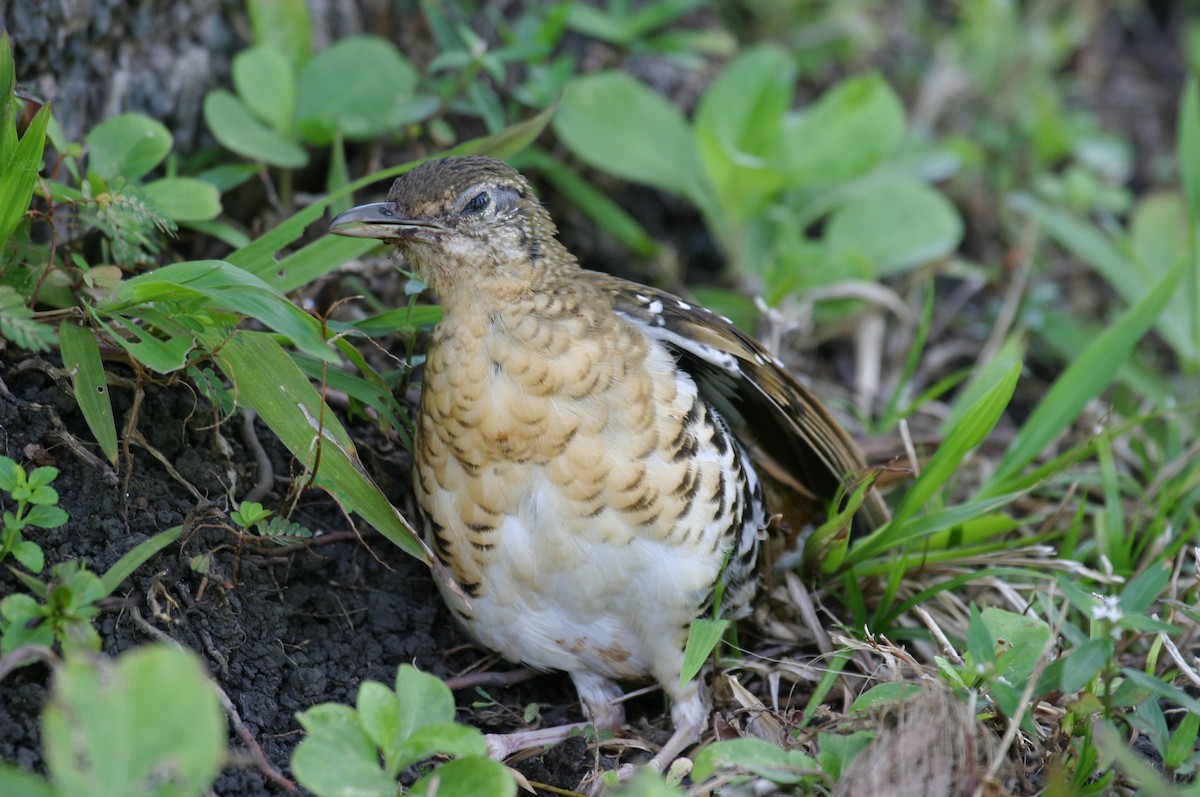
{"x": 279, "y": 628}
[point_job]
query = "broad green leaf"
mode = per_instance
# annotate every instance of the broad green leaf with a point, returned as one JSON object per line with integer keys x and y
{"x": 1082, "y": 381}
{"x": 128, "y": 146}
{"x": 184, "y": 198}
{"x": 739, "y": 126}
{"x": 81, "y": 356}
{"x": 266, "y": 84}
{"x": 30, "y": 555}
{"x": 1077, "y": 669}
{"x": 266, "y": 379}
{"x": 845, "y": 134}
{"x": 898, "y": 227}
{"x": 16, "y": 782}
{"x": 1021, "y": 640}
{"x": 424, "y": 699}
{"x": 379, "y": 712}
{"x": 115, "y": 728}
{"x": 884, "y": 694}
{"x": 335, "y": 96}
{"x": 1144, "y": 589}
{"x": 755, "y": 756}
{"x": 337, "y": 758}
{"x": 617, "y": 124}
{"x": 441, "y": 738}
{"x": 18, "y": 173}
{"x": 238, "y": 131}
{"x": 283, "y": 25}
{"x": 476, "y": 776}
{"x": 703, "y": 638}
{"x": 46, "y": 516}
{"x": 837, "y": 751}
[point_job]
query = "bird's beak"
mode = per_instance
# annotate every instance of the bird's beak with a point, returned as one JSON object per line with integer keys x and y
{"x": 379, "y": 220}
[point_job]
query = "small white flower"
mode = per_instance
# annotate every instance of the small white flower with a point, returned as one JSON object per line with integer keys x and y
{"x": 1107, "y": 609}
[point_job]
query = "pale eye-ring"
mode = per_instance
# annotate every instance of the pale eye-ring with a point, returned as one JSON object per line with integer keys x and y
{"x": 477, "y": 203}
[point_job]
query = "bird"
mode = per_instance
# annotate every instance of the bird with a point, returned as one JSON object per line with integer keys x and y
{"x": 596, "y": 461}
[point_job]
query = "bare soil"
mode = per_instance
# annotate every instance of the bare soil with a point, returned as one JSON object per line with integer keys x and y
{"x": 279, "y": 628}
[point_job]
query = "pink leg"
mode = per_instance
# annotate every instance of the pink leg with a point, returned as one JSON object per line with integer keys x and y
{"x": 600, "y": 705}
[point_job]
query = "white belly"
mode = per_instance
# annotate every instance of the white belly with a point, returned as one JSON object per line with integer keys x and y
{"x": 564, "y": 598}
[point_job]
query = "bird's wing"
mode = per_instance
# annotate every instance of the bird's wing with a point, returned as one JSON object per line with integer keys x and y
{"x": 789, "y": 432}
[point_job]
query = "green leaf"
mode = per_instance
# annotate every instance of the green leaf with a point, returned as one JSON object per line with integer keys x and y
{"x": 753, "y": 755}
{"x": 969, "y": 432}
{"x": 703, "y": 638}
{"x": 1021, "y": 639}
{"x": 1082, "y": 381}
{"x": 128, "y": 146}
{"x": 478, "y": 777}
{"x": 30, "y": 555}
{"x": 117, "y": 728}
{"x": 266, "y": 83}
{"x": 441, "y": 738}
{"x": 238, "y": 131}
{"x": 1182, "y": 743}
{"x": 845, "y": 134}
{"x": 379, "y": 712}
{"x": 322, "y": 256}
{"x": 335, "y": 97}
{"x": 136, "y": 557}
{"x": 617, "y": 124}
{"x": 1159, "y": 238}
{"x": 283, "y": 25}
{"x": 739, "y": 128}
{"x": 266, "y": 379}
{"x": 16, "y": 782}
{"x": 81, "y": 356}
{"x": 1189, "y": 145}
{"x": 1077, "y": 669}
{"x": 424, "y": 700}
{"x": 897, "y": 226}
{"x": 46, "y": 517}
{"x": 18, "y": 173}
{"x": 1144, "y": 589}
{"x": 1010, "y": 354}
{"x": 337, "y": 758}
{"x": 184, "y": 198}
{"x": 224, "y": 287}
{"x": 884, "y": 694}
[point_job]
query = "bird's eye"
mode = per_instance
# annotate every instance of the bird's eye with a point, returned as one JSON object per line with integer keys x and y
{"x": 478, "y": 203}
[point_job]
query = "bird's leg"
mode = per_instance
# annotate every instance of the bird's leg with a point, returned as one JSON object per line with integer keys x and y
{"x": 600, "y": 698}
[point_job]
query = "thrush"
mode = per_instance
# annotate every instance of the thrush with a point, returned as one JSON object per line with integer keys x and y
{"x": 596, "y": 460}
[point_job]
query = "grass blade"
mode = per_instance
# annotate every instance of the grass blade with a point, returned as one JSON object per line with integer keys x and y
{"x": 1083, "y": 380}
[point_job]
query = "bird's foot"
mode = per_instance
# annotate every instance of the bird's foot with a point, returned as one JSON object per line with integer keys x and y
{"x": 502, "y": 745}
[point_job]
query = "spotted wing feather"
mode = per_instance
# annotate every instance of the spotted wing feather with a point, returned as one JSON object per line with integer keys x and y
{"x": 790, "y": 434}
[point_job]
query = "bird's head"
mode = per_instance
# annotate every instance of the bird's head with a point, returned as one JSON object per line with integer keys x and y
{"x": 466, "y": 225}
